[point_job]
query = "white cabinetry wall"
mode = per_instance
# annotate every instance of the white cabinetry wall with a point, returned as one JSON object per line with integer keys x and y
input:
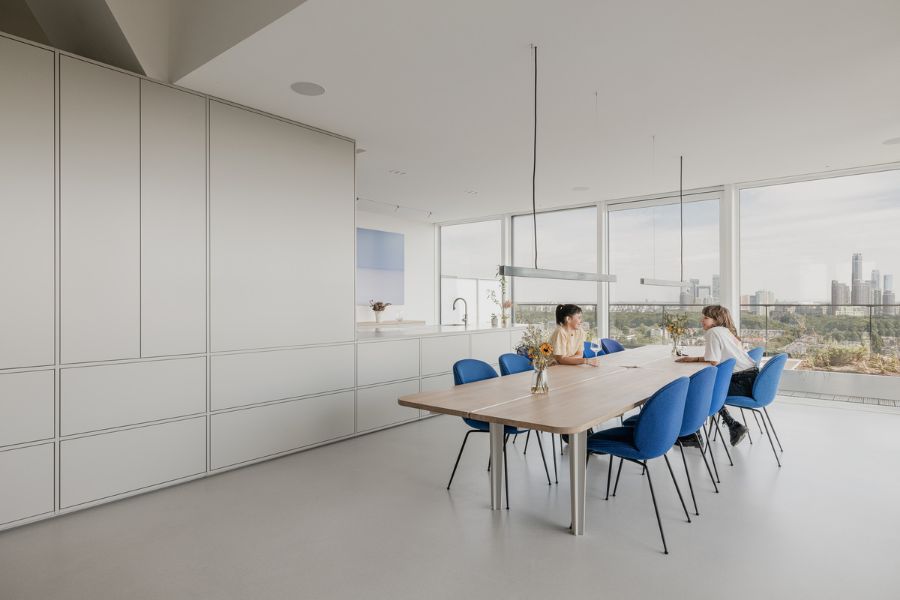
{"x": 178, "y": 289}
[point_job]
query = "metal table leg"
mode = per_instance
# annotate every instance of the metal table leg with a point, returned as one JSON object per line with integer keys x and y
{"x": 577, "y": 472}
{"x": 496, "y": 434}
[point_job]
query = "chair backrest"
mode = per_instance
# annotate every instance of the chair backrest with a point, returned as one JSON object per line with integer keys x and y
{"x": 756, "y": 354}
{"x": 588, "y": 353}
{"x": 766, "y": 385}
{"x": 699, "y": 398}
{"x": 610, "y": 345}
{"x": 720, "y": 390}
{"x": 469, "y": 370}
{"x": 660, "y": 419}
{"x": 511, "y": 364}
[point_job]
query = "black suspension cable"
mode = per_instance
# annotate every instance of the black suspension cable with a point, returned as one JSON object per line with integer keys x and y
{"x": 534, "y": 163}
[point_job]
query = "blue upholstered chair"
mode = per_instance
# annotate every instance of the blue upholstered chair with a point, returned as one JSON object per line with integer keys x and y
{"x": 756, "y": 354}
{"x": 696, "y": 411}
{"x": 470, "y": 370}
{"x": 610, "y": 345}
{"x": 510, "y": 364}
{"x": 588, "y": 353}
{"x": 764, "y": 390}
{"x": 720, "y": 390}
{"x": 652, "y": 435}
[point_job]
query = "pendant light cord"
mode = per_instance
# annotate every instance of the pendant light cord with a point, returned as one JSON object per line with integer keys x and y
{"x": 681, "y": 210}
{"x": 534, "y": 161}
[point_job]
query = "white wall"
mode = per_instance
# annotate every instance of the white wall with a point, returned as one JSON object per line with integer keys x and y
{"x": 420, "y": 286}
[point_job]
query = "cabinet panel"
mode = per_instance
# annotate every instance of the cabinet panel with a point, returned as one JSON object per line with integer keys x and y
{"x": 489, "y": 346}
{"x": 240, "y": 379}
{"x": 377, "y": 406}
{"x": 26, "y": 407}
{"x": 173, "y": 221}
{"x": 104, "y": 465}
{"x": 27, "y": 476}
{"x": 105, "y": 396}
{"x": 378, "y": 362}
{"x": 281, "y": 233}
{"x": 26, "y": 205}
{"x": 244, "y": 435}
{"x": 439, "y": 353}
{"x": 99, "y": 132}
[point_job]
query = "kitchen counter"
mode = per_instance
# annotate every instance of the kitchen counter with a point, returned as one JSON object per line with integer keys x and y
{"x": 387, "y": 332}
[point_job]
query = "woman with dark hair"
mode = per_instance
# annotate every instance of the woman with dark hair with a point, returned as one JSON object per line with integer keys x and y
{"x": 722, "y": 343}
{"x": 568, "y": 339}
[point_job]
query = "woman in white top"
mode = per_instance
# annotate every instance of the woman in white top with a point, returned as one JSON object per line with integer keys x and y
{"x": 568, "y": 339}
{"x": 722, "y": 343}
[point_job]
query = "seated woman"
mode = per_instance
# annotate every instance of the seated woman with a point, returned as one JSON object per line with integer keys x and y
{"x": 722, "y": 343}
{"x": 568, "y": 339}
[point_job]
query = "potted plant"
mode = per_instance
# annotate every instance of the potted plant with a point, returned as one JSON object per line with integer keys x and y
{"x": 537, "y": 347}
{"x": 378, "y": 308}
{"x": 676, "y": 326}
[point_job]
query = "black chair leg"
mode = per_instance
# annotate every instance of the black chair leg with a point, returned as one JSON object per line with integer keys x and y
{"x": 772, "y": 425}
{"x": 609, "y": 475}
{"x": 537, "y": 436}
{"x": 618, "y": 474}
{"x": 724, "y": 443}
{"x": 690, "y": 484}
{"x": 747, "y": 425}
{"x": 527, "y": 438}
{"x": 771, "y": 443}
{"x": 553, "y": 452}
{"x": 712, "y": 455}
{"x": 656, "y": 510}
{"x": 506, "y": 472}
{"x": 677, "y": 489}
{"x": 458, "y": 456}
{"x": 703, "y": 452}
{"x": 756, "y": 418}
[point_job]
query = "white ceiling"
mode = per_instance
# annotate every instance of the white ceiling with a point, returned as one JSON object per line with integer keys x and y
{"x": 443, "y": 91}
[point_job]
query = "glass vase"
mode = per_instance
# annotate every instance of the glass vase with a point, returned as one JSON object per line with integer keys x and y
{"x": 540, "y": 380}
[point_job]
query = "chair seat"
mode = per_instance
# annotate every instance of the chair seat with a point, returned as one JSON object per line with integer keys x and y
{"x": 617, "y": 441}
{"x": 485, "y": 426}
{"x": 742, "y": 402}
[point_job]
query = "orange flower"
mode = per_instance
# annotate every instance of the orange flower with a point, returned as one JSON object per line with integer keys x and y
{"x": 546, "y": 349}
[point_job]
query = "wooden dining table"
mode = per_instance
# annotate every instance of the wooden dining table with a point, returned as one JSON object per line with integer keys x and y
{"x": 580, "y": 398}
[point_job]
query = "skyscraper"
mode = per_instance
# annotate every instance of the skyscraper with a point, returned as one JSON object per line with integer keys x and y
{"x": 888, "y": 282}
{"x": 876, "y": 279}
{"x": 861, "y": 293}
{"x": 888, "y": 297}
{"x": 857, "y": 268}
{"x": 840, "y": 294}
{"x": 764, "y": 297}
{"x": 717, "y": 288}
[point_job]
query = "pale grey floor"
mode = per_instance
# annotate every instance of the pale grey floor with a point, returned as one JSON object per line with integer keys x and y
{"x": 370, "y": 518}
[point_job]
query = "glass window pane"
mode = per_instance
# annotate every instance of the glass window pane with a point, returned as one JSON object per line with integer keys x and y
{"x": 567, "y": 241}
{"x": 470, "y": 256}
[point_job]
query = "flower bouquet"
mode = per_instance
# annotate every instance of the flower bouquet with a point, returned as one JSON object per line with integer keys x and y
{"x": 537, "y": 347}
{"x": 378, "y": 308}
{"x": 676, "y": 326}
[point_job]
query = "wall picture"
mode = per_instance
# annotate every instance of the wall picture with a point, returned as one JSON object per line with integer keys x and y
{"x": 379, "y": 266}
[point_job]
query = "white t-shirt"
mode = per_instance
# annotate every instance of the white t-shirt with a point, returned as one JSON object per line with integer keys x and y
{"x": 722, "y": 345}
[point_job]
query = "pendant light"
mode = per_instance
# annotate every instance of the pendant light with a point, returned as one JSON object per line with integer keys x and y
{"x": 669, "y": 282}
{"x": 513, "y": 271}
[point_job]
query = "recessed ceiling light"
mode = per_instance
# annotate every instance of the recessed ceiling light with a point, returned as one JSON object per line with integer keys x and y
{"x": 360, "y": 150}
{"x": 580, "y": 188}
{"x": 307, "y": 88}
{"x": 892, "y": 141}
{"x": 472, "y": 192}
{"x": 397, "y": 172}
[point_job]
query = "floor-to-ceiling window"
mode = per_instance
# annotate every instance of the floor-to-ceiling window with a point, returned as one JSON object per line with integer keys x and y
{"x": 645, "y": 241}
{"x": 470, "y": 256}
{"x": 818, "y": 260}
{"x": 566, "y": 241}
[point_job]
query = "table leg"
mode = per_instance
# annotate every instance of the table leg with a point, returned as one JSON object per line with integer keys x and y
{"x": 577, "y": 473}
{"x": 496, "y": 434}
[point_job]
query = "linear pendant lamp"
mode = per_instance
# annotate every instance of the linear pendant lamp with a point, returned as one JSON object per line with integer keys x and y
{"x": 512, "y": 271}
{"x": 670, "y": 282}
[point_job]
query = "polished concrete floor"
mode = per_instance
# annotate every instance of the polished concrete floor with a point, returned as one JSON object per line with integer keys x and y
{"x": 370, "y": 518}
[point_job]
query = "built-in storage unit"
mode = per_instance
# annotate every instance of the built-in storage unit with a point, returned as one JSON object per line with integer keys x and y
{"x": 26, "y": 205}
{"x": 27, "y": 476}
{"x": 26, "y": 407}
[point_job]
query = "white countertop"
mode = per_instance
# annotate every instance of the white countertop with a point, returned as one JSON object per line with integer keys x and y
{"x": 387, "y": 332}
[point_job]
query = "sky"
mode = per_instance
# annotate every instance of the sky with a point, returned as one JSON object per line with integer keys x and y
{"x": 795, "y": 238}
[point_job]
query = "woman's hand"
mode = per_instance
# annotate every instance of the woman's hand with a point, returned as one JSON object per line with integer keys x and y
{"x": 686, "y": 359}
{"x": 592, "y": 361}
